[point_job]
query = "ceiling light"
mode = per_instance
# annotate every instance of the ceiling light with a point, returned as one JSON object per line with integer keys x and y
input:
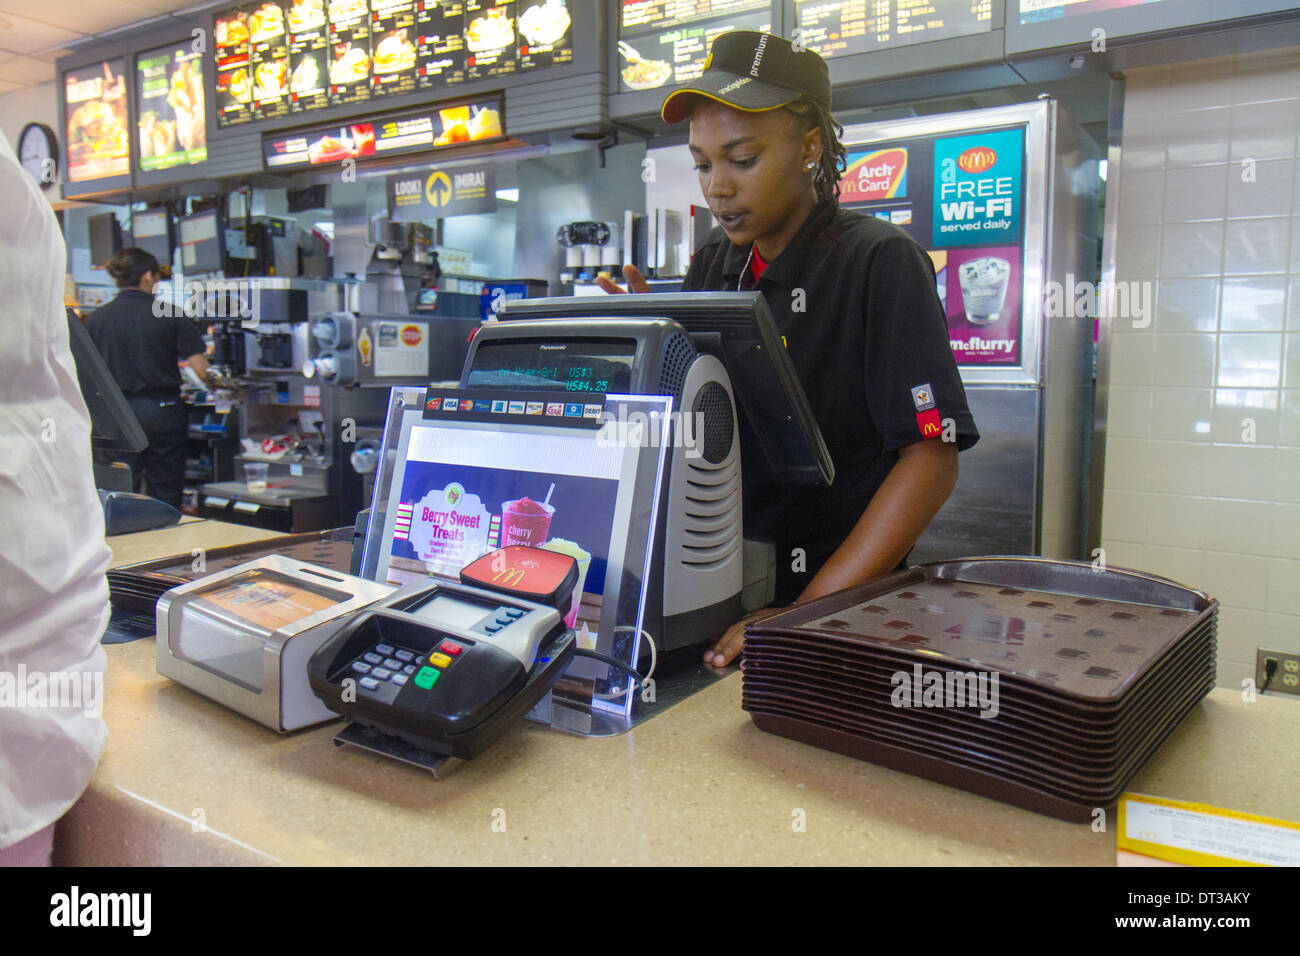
{"x": 508, "y": 195}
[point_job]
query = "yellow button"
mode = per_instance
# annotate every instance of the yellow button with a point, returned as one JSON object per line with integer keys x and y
{"x": 439, "y": 660}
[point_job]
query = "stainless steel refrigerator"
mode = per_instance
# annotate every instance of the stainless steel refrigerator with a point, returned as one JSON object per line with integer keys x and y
{"x": 1006, "y": 202}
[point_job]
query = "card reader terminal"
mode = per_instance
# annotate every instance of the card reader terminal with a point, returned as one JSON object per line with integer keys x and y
{"x": 442, "y": 666}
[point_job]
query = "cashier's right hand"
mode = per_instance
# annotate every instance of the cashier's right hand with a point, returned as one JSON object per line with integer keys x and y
{"x": 635, "y": 281}
{"x": 733, "y": 641}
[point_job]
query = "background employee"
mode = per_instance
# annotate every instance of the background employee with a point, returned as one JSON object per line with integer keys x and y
{"x": 141, "y": 346}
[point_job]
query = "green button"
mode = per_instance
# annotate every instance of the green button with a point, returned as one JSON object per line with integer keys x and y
{"x": 426, "y": 677}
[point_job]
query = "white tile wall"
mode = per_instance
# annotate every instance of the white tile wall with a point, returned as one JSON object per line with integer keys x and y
{"x": 1203, "y": 437}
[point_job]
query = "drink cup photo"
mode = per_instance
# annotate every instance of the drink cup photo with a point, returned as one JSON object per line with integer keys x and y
{"x": 583, "y": 557}
{"x": 984, "y": 288}
{"x": 525, "y": 521}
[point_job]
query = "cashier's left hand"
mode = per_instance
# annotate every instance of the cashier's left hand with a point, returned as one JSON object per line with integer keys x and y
{"x": 733, "y": 641}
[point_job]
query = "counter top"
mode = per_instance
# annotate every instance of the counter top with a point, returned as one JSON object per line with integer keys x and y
{"x": 185, "y": 781}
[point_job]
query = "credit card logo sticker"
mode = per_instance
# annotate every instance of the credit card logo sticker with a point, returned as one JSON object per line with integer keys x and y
{"x": 467, "y": 404}
{"x": 516, "y": 408}
{"x": 450, "y": 404}
{"x": 573, "y": 410}
{"x": 877, "y": 174}
{"x": 591, "y": 411}
{"x": 555, "y": 409}
{"x": 498, "y": 407}
{"x": 533, "y": 408}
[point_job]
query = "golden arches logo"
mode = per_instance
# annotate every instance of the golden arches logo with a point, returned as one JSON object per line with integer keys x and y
{"x": 511, "y": 577}
{"x": 977, "y": 159}
{"x": 437, "y": 189}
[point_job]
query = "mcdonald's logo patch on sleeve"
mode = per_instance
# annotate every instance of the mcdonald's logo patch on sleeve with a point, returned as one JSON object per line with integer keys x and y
{"x": 928, "y": 423}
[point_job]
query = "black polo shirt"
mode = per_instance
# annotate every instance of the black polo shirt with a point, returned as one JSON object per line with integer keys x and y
{"x": 855, "y": 299}
{"x": 141, "y": 349}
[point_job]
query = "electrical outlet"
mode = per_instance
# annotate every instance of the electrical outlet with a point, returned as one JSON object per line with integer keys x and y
{"x": 1286, "y": 678}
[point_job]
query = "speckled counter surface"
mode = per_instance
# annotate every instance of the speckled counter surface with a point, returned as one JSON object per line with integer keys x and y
{"x": 185, "y": 781}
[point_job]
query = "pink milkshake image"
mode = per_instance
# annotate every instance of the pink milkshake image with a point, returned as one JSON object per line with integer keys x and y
{"x": 525, "y": 521}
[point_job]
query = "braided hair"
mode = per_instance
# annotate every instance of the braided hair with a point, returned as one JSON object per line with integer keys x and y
{"x": 834, "y": 158}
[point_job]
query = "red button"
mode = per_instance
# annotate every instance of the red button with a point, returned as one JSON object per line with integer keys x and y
{"x": 447, "y": 647}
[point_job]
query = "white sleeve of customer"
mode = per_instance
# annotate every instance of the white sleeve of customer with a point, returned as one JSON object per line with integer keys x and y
{"x": 53, "y": 593}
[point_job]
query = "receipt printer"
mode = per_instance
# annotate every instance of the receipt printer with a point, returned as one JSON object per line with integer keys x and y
{"x": 243, "y": 636}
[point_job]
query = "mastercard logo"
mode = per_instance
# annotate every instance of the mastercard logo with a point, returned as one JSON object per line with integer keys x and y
{"x": 977, "y": 159}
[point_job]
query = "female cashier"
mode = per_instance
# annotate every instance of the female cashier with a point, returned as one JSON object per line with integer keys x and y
{"x": 855, "y": 300}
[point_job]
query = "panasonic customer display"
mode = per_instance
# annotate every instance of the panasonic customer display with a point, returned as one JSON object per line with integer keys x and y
{"x": 779, "y": 437}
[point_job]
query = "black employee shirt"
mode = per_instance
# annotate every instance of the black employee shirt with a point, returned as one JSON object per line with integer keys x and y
{"x": 855, "y": 300}
{"x": 141, "y": 349}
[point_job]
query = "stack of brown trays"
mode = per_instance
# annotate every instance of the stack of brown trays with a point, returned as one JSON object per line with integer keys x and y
{"x": 1094, "y": 670}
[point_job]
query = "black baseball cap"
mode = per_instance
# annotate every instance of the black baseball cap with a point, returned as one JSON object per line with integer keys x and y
{"x": 754, "y": 72}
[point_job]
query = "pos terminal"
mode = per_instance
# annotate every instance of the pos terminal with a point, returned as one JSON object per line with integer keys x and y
{"x": 439, "y": 670}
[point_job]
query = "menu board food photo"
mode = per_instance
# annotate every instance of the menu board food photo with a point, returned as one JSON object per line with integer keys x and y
{"x": 393, "y": 39}
{"x": 308, "y": 47}
{"x": 490, "y": 38}
{"x": 665, "y": 42}
{"x": 420, "y": 130}
{"x": 171, "y": 128}
{"x": 843, "y": 27}
{"x": 234, "y": 79}
{"x": 269, "y": 60}
{"x": 349, "y": 59}
{"x": 95, "y": 121}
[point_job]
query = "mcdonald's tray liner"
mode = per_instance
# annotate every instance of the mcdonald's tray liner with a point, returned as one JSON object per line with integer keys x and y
{"x": 1095, "y": 669}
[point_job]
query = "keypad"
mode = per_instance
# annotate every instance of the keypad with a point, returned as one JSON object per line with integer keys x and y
{"x": 388, "y": 668}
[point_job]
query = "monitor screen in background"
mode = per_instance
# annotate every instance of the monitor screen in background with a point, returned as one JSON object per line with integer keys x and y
{"x": 201, "y": 247}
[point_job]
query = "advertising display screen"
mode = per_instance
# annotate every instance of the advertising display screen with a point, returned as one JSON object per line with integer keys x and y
{"x": 95, "y": 121}
{"x": 282, "y": 57}
{"x": 1034, "y": 11}
{"x": 843, "y": 27}
{"x": 418, "y": 131}
{"x": 1045, "y": 24}
{"x": 665, "y": 42}
{"x": 171, "y": 128}
{"x": 961, "y": 196}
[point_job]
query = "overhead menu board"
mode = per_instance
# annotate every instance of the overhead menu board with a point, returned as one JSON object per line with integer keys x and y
{"x": 665, "y": 42}
{"x": 282, "y": 57}
{"x": 420, "y": 130}
{"x": 843, "y": 27}
{"x": 95, "y": 124}
{"x": 171, "y": 129}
